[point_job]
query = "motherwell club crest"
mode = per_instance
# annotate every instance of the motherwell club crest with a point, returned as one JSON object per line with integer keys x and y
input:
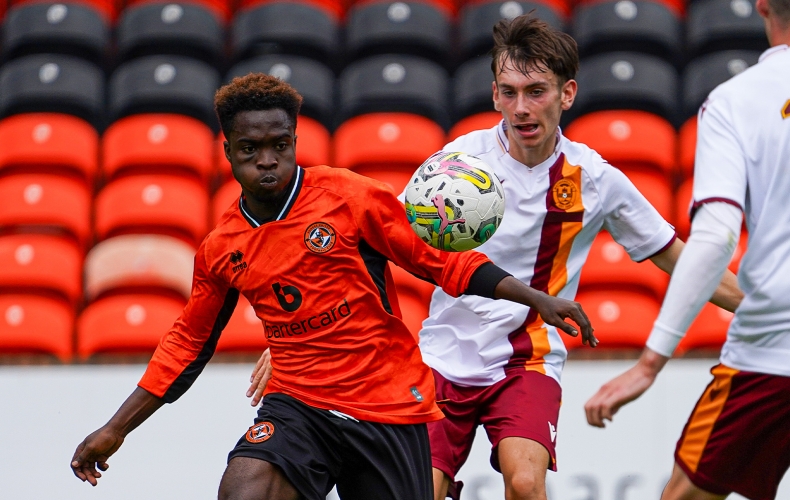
{"x": 565, "y": 194}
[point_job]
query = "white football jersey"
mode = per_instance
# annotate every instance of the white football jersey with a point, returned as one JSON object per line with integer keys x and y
{"x": 553, "y": 212}
{"x": 743, "y": 158}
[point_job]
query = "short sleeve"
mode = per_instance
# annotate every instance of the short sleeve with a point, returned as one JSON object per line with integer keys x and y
{"x": 631, "y": 220}
{"x": 720, "y": 164}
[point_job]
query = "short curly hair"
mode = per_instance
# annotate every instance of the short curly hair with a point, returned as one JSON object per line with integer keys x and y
{"x": 254, "y": 92}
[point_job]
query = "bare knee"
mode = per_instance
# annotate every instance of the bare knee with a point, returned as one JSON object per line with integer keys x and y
{"x": 680, "y": 487}
{"x": 252, "y": 479}
{"x": 525, "y": 485}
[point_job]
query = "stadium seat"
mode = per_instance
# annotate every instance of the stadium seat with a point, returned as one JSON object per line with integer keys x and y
{"x": 46, "y": 203}
{"x": 336, "y": 8}
{"x": 182, "y": 29}
{"x": 314, "y": 80}
{"x": 708, "y": 331}
{"x": 41, "y": 264}
{"x": 64, "y": 28}
{"x": 225, "y": 196}
{"x": 621, "y": 319}
{"x": 49, "y": 142}
{"x": 479, "y": 121}
{"x": 472, "y": 88}
{"x": 687, "y": 145}
{"x": 626, "y": 80}
{"x": 244, "y": 331}
{"x": 36, "y": 324}
{"x": 395, "y": 83}
{"x": 413, "y": 27}
{"x": 53, "y": 83}
{"x": 158, "y": 143}
{"x": 129, "y": 324}
{"x": 387, "y": 146}
{"x": 646, "y": 26}
{"x": 682, "y": 204}
{"x": 159, "y": 204}
{"x": 221, "y": 9}
{"x": 656, "y": 187}
{"x": 705, "y": 73}
{"x": 139, "y": 263}
{"x": 478, "y": 18}
{"x": 714, "y": 25}
{"x": 609, "y": 267}
{"x": 299, "y": 28}
{"x": 164, "y": 84}
{"x": 628, "y": 139}
{"x": 108, "y": 8}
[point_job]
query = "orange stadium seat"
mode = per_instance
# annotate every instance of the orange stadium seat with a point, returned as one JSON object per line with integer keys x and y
{"x": 621, "y": 319}
{"x": 225, "y": 196}
{"x": 244, "y": 331}
{"x": 628, "y": 139}
{"x": 49, "y": 142}
{"x": 139, "y": 263}
{"x": 609, "y": 267}
{"x": 708, "y": 331}
{"x": 157, "y": 143}
{"x": 220, "y": 8}
{"x": 35, "y": 324}
{"x": 162, "y": 204}
{"x": 45, "y": 202}
{"x": 387, "y": 146}
{"x": 657, "y": 188}
{"x": 37, "y": 263}
{"x": 682, "y": 204}
{"x": 479, "y": 121}
{"x": 687, "y": 147}
{"x": 108, "y": 8}
{"x": 337, "y": 8}
{"x": 130, "y": 323}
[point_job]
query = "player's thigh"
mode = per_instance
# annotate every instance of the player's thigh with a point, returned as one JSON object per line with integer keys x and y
{"x": 253, "y": 479}
{"x": 523, "y": 464}
{"x": 680, "y": 487}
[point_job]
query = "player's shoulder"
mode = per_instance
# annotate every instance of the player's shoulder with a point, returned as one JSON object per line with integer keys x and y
{"x": 583, "y": 156}
{"x": 475, "y": 143}
{"x": 756, "y": 83}
{"x": 342, "y": 183}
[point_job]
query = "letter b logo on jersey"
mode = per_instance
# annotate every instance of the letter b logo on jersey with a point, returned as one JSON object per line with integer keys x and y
{"x": 289, "y": 297}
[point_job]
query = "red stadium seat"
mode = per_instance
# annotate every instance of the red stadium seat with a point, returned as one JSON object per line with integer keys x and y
{"x": 709, "y": 330}
{"x": 36, "y": 202}
{"x": 244, "y": 331}
{"x": 35, "y": 324}
{"x": 131, "y": 323}
{"x": 37, "y": 263}
{"x": 628, "y": 139}
{"x": 220, "y": 8}
{"x": 139, "y": 263}
{"x": 161, "y": 204}
{"x": 108, "y": 8}
{"x": 387, "y": 146}
{"x": 157, "y": 143}
{"x": 478, "y": 121}
{"x": 225, "y": 196}
{"x": 336, "y": 8}
{"x": 657, "y": 188}
{"x": 450, "y": 7}
{"x": 49, "y": 142}
{"x": 687, "y": 147}
{"x": 621, "y": 319}
{"x": 609, "y": 267}
{"x": 678, "y": 6}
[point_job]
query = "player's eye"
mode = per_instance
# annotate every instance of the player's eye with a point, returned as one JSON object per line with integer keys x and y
{"x": 281, "y": 146}
{"x": 247, "y": 149}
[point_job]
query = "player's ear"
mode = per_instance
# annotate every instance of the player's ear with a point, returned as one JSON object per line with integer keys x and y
{"x": 226, "y": 147}
{"x": 495, "y": 95}
{"x": 568, "y": 94}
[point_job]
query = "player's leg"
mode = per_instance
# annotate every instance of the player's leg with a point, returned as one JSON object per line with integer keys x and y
{"x": 523, "y": 463}
{"x": 253, "y": 479}
{"x": 680, "y": 487}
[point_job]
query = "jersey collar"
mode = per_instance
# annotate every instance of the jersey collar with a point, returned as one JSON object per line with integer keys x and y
{"x": 504, "y": 143}
{"x": 773, "y": 50}
{"x": 290, "y": 200}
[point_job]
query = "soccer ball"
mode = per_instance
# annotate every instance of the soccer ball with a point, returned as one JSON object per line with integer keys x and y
{"x": 454, "y": 201}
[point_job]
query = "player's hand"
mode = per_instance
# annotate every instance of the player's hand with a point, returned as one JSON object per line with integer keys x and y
{"x": 93, "y": 453}
{"x": 555, "y": 310}
{"x": 260, "y": 377}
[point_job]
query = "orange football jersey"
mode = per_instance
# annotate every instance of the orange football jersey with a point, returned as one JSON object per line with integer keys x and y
{"x": 317, "y": 278}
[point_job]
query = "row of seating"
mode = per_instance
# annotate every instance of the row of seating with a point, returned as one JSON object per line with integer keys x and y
{"x": 416, "y": 27}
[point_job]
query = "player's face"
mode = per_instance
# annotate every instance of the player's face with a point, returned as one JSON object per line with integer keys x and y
{"x": 531, "y": 105}
{"x": 262, "y": 153}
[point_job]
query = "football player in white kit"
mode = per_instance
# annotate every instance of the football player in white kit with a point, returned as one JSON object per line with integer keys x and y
{"x": 737, "y": 438}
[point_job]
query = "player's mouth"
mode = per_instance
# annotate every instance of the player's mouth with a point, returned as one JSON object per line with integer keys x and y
{"x": 268, "y": 182}
{"x": 527, "y": 130}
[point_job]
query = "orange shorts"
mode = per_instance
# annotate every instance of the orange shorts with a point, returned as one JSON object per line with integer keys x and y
{"x": 738, "y": 436}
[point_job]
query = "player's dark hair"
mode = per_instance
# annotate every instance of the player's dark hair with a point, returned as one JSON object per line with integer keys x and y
{"x": 255, "y": 92}
{"x": 528, "y": 44}
{"x": 781, "y": 8}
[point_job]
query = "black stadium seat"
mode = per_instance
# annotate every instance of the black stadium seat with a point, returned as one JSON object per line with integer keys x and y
{"x": 627, "y": 80}
{"x": 63, "y": 28}
{"x": 416, "y": 28}
{"x": 164, "y": 84}
{"x": 176, "y": 29}
{"x": 310, "y": 78}
{"x": 705, "y": 73}
{"x": 401, "y": 83}
{"x": 53, "y": 83}
{"x": 633, "y": 25}
{"x": 472, "y": 84}
{"x": 714, "y": 25}
{"x": 479, "y": 18}
{"x": 286, "y": 28}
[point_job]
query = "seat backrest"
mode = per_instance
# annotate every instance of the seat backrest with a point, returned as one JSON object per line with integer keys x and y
{"x": 68, "y": 28}
{"x": 479, "y": 121}
{"x": 53, "y": 83}
{"x": 472, "y": 88}
{"x": 705, "y": 73}
{"x": 164, "y": 84}
{"x": 622, "y": 319}
{"x": 713, "y": 25}
{"x": 36, "y": 324}
{"x": 107, "y": 8}
{"x": 221, "y": 9}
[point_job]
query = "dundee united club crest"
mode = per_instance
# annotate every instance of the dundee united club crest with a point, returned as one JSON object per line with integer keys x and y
{"x": 565, "y": 194}
{"x": 261, "y": 432}
{"x": 319, "y": 237}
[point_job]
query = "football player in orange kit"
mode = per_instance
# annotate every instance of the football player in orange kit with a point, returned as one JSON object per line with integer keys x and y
{"x": 349, "y": 396}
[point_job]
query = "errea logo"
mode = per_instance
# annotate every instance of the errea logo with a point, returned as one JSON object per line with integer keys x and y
{"x": 237, "y": 261}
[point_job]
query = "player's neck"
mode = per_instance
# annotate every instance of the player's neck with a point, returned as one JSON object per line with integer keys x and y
{"x": 778, "y": 34}
{"x": 265, "y": 210}
{"x": 533, "y": 156}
